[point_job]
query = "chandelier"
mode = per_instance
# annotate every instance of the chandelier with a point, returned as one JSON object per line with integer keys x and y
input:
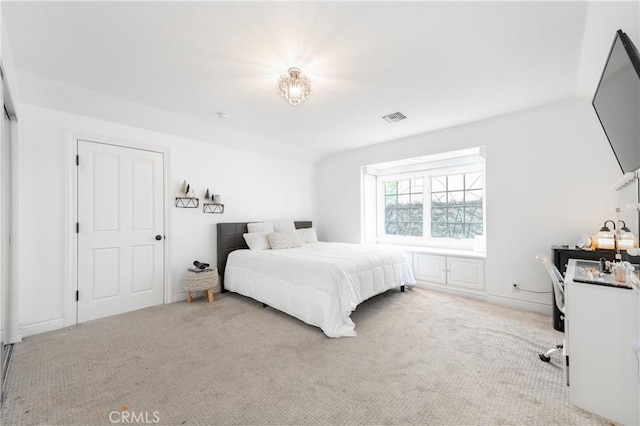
{"x": 294, "y": 87}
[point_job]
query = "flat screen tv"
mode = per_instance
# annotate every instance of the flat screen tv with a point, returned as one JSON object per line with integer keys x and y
{"x": 617, "y": 102}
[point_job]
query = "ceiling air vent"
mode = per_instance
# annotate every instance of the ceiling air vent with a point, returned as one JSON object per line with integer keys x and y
{"x": 394, "y": 118}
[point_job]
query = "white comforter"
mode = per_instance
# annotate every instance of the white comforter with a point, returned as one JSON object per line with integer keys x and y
{"x": 318, "y": 283}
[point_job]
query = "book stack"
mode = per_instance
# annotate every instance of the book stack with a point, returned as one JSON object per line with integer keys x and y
{"x": 198, "y": 270}
{"x": 200, "y": 267}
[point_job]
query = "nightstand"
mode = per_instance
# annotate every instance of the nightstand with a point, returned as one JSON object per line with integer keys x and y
{"x": 204, "y": 281}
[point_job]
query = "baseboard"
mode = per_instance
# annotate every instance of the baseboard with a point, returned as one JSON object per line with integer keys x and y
{"x": 31, "y": 329}
{"x": 474, "y": 294}
{"x": 4, "y": 336}
{"x": 182, "y": 296}
{"x": 179, "y": 297}
{"x": 523, "y": 305}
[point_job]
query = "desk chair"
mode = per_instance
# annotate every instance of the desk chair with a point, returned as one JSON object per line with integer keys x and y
{"x": 558, "y": 291}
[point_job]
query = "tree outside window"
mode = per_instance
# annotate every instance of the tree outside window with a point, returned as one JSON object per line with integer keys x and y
{"x": 456, "y": 206}
{"x": 404, "y": 207}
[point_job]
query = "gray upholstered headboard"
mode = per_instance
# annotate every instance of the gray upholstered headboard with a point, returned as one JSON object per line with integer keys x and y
{"x": 230, "y": 238}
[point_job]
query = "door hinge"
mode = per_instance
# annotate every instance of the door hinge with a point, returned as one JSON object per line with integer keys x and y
{"x": 77, "y": 227}
{"x": 77, "y": 160}
{"x": 77, "y": 295}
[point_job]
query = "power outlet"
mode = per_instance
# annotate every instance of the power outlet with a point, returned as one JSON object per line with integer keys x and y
{"x": 516, "y": 286}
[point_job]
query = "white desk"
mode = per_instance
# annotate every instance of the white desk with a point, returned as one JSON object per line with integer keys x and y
{"x": 602, "y": 336}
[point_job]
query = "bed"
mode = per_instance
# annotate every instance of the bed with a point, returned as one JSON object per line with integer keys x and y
{"x": 319, "y": 283}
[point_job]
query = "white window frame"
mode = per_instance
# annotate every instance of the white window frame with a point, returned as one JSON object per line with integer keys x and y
{"x": 380, "y": 206}
{"x": 426, "y": 175}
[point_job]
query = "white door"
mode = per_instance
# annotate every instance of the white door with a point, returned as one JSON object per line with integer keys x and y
{"x": 120, "y": 230}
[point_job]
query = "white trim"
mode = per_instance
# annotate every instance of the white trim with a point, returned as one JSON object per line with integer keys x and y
{"x": 495, "y": 299}
{"x": 402, "y": 176}
{"x": 11, "y": 98}
{"x": 71, "y": 214}
{"x": 522, "y": 305}
{"x": 71, "y": 249}
{"x": 31, "y": 329}
{"x": 13, "y": 330}
{"x": 474, "y": 294}
{"x": 437, "y": 172}
{"x": 438, "y": 251}
{"x": 4, "y": 318}
{"x": 433, "y": 161}
{"x": 179, "y": 297}
{"x": 464, "y": 244}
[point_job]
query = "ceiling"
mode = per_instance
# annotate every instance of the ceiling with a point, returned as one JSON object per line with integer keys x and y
{"x": 441, "y": 64}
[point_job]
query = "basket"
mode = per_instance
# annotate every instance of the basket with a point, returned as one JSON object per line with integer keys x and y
{"x": 200, "y": 281}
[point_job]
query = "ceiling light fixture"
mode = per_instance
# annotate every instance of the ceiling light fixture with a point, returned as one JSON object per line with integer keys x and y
{"x": 294, "y": 87}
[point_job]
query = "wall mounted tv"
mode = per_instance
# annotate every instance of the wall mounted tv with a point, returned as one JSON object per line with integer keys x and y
{"x": 617, "y": 102}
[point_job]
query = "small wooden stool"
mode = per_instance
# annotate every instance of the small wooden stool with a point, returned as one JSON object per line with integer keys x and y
{"x": 200, "y": 281}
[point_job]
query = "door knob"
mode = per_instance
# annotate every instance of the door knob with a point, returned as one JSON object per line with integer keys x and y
{"x": 158, "y": 237}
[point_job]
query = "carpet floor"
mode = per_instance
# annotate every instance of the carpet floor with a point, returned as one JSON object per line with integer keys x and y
{"x": 420, "y": 357}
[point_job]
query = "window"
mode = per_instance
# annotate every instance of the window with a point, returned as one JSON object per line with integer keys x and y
{"x": 456, "y": 205}
{"x": 403, "y": 209}
{"x": 438, "y": 202}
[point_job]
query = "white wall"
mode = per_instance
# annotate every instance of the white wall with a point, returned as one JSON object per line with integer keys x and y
{"x": 604, "y": 18}
{"x": 548, "y": 175}
{"x": 47, "y": 93}
{"x": 253, "y": 187}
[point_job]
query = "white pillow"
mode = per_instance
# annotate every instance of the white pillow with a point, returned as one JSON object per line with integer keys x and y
{"x": 257, "y": 240}
{"x": 284, "y": 240}
{"x": 284, "y": 226}
{"x": 308, "y": 235}
{"x": 260, "y": 227}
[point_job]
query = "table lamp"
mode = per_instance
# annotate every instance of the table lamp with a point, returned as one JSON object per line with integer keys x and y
{"x": 626, "y": 239}
{"x": 605, "y": 239}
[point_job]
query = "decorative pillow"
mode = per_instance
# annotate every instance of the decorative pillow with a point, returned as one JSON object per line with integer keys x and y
{"x": 260, "y": 227}
{"x": 308, "y": 235}
{"x": 284, "y": 226}
{"x": 257, "y": 240}
{"x": 284, "y": 240}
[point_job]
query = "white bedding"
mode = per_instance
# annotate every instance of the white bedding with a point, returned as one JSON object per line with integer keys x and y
{"x": 318, "y": 283}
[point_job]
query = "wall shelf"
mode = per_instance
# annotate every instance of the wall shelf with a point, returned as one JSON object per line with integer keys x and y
{"x": 213, "y": 208}
{"x": 187, "y": 203}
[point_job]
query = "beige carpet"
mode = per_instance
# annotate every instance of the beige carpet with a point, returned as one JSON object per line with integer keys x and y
{"x": 420, "y": 358}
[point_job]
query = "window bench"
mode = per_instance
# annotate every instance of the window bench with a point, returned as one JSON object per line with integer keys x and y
{"x": 450, "y": 270}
